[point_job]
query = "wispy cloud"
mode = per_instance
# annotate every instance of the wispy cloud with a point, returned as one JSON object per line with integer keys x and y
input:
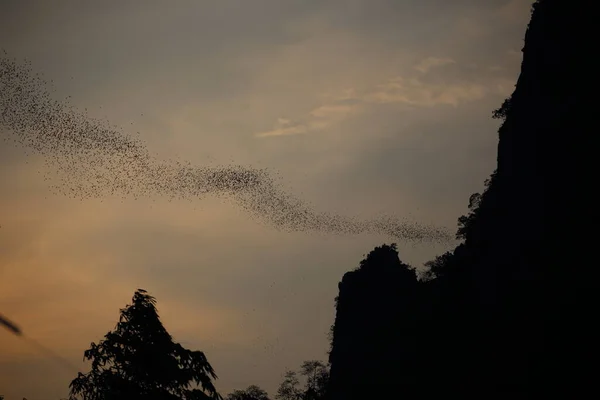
{"x": 318, "y": 119}
{"x": 334, "y": 111}
{"x": 284, "y": 131}
{"x": 413, "y": 89}
{"x": 418, "y": 93}
{"x": 432, "y": 62}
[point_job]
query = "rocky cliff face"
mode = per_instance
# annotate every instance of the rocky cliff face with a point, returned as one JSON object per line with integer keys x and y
{"x": 374, "y": 319}
{"x": 510, "y": 311}
{"x": 521, "y": 248}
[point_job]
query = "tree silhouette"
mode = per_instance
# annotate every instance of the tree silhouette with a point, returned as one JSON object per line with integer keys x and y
{"x": 140, "y": 360}
{"x": 502, "y": 112}
{"x": 316, "y": 380}
{"x": 252, "y": 392}
{"x": 467, "y": 222}
{"x": 439, "y": 266}
{"x": 288, "y": 389}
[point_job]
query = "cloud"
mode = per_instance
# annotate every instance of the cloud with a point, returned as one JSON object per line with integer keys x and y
{"x": 284, "y": 131}
{"x": 432, "y": 62}
{"x": 415, "y": 92}
{"x": 454, "y": 87}
{"x": 333, "y": 111}
{"x": 318, "y": 119}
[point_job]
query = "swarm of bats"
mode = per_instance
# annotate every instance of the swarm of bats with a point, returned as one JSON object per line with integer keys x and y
{"x": 91, "y": 158}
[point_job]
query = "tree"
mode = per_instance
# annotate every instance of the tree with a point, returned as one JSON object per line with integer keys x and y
{"x": 502, "y": 112}
{"x": 252, "y": 392}
{"x": 466, "y": 222}
{"x": 288, "y": 390}
{"x": 140, "y": 360}
{"x": 316, "y": 375}
{"x": 439, "y": 266}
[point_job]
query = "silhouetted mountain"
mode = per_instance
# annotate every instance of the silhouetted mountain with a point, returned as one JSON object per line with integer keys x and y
{"x": 523, "y": 291}
{"x": 508, "y": 311}
{"x": 374, "y": 336}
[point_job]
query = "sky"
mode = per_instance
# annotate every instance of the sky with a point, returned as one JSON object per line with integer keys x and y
{"x": 362, "y": 107}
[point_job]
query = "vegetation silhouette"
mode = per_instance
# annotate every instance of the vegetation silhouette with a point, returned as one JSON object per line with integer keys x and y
{"x": 252, "y": 392}
{"x": 315, "y": 376}
{"x": 140, "y": 360}
{"x": 504, "y": 313}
